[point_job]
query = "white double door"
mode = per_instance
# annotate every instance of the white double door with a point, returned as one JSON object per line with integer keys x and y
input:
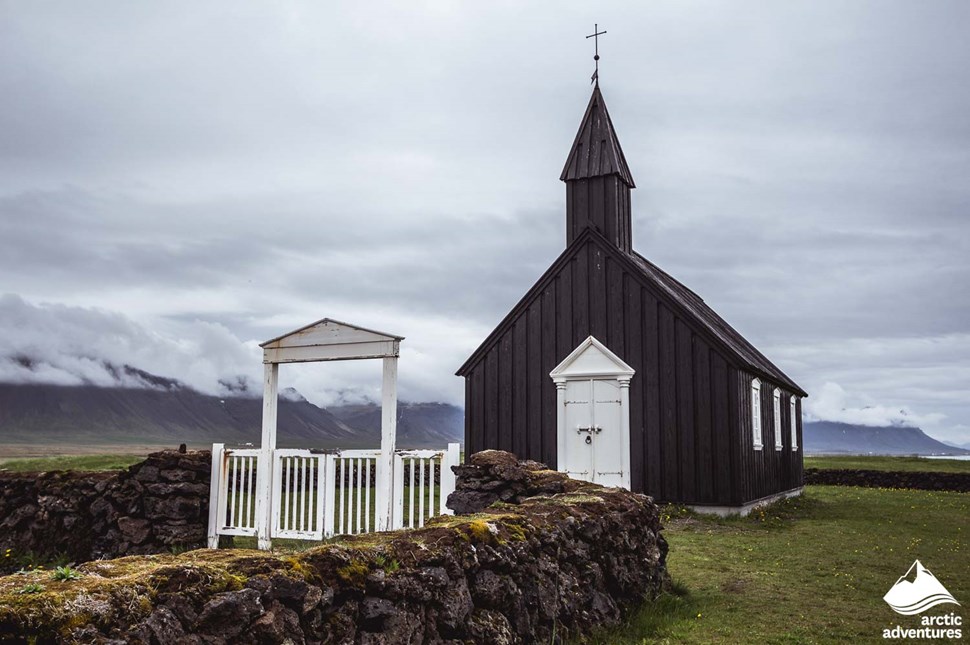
{"x": 593, "y": 439}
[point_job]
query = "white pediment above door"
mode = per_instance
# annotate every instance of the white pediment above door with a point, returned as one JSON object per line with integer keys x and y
{"x": 591, "y": 359}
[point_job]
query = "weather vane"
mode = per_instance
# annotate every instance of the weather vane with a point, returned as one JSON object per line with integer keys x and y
{"x": 596, "y": 40}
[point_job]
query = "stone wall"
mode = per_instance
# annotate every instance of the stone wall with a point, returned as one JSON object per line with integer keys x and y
{"x": 959, "y": 482}
{"x": 549, "y": 559}
{"x": 153, "y": 506}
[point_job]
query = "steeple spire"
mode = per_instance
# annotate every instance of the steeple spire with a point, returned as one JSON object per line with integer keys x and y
{"x": 596, "y": 150}
{"x": 598, "y": 180}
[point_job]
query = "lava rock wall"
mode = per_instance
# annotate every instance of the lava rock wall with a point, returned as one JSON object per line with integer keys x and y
{"x": 959, "y": 482}
{"x": 153, "y": 506}
{"x": 548, "y": 560}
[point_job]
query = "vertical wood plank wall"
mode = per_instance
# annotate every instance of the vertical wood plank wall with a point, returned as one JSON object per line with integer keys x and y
{"x": 602, "y": 203}
{"x": 767, "y": 471}
{"x": 690, "y": 407}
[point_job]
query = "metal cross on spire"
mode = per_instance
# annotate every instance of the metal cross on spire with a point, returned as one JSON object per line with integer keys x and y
{"x": 596, "y": 40}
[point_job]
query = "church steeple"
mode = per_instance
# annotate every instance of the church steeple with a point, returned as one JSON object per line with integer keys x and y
{"x": 598, "y": 180}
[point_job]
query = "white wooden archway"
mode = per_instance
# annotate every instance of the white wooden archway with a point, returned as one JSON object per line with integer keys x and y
{"x": 327, "y": 340}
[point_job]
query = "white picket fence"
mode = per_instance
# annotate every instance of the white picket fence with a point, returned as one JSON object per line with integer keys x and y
{"x": 319, "y": 494}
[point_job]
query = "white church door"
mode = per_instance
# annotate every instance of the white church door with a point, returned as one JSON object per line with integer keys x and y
{"x": 593, "y": 416}
{"x": 593, "y": 441}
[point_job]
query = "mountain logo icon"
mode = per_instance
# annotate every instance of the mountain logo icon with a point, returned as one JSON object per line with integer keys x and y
{"x": 914, "y": 597}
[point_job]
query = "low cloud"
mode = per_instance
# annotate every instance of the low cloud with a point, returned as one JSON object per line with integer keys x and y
{"x": 58, "y": 344}
{"x": 61, "y": 345}
{"x": 831, "y": 402}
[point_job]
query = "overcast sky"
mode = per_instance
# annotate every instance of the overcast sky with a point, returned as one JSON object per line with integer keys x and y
{"x": 179, "y": 181}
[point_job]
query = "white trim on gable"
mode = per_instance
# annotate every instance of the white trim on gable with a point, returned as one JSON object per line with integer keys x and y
{"x": 591, "y": 359}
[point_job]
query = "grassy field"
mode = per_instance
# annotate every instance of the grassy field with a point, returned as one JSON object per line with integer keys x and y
{"x": 811, "y": 570}
{"x": 905, "y": 464}
{"x": 76, "y": 462}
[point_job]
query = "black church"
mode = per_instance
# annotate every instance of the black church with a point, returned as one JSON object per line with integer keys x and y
{"x": 613, "y": 371}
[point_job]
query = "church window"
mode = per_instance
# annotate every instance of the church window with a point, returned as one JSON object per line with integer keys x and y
{"x": 778, "y": 429}
{"x": 756, "y": 412}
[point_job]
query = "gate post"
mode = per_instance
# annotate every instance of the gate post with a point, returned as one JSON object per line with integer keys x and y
{"x": 447, "y": 478}
{"x": 385, "y": 468}
{"x": 215, "y": 492}
{"x": 264, "y": 464}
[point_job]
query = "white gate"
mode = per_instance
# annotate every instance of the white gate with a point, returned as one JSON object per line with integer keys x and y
{"x": 232, "y": 491}
{"x": 319, "y": 494}
{"x": 428, "y": 479}
{"x": 352, "y": 490}
{"x": 297, "y": 509}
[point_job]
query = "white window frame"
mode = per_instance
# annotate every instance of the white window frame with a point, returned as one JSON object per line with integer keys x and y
{"x": 779, "y": 444}
{"x": 793, "y": 422}
{"x": 756, "y": 413}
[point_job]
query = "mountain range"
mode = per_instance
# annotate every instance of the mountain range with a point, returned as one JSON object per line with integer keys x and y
{"x": 170, "y": 413}
{"x": 830, "y": 437}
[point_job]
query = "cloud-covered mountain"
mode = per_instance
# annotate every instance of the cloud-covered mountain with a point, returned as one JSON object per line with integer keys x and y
{"x": 69, "y": 415}
{"x": 829, "y": 437}
{"x": 165, "y": 412}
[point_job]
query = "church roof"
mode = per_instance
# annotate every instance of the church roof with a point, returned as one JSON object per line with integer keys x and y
{"x": 725, "y": 333}
{"x": 596, "y": 151}
{"x": 692, "y": 306}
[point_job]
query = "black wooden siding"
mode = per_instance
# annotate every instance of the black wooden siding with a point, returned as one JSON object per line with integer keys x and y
{"x": 600, "y": 203}
{"x": 690, "y": 435}
{"x": 769, "y": 470}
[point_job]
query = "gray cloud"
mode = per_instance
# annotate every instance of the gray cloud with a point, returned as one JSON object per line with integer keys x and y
{"x": 801, "y": 165}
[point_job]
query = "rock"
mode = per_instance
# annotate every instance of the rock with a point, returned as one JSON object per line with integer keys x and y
{"x": 178, "y": 475}
{"x": 312, "y": 598}
{"x": 278, "y": 625}
{"x": 187, "y": 533}
{"x": 489, "y": 591}
{"x": 456, "y": 607}
{"x": 180, "y": 606}
{"x": 174, "y": 507}
{"x": 147, "y": 474}
{"x": 135, "y": 531}
{"x": 180, "y": 488}
{"x": 165, "y": 627}
{"x": 374, "y": 611}
{"x": 228, "y": 614}
{"x": 493, "y": 475}
{"x": 466, "y": 502}
{"x": 491, "y": 627}
{"x": 290, "y": 591}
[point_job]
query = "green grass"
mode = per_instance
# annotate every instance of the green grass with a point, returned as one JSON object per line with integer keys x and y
{"x": 80, "y": 462}
{"x": 904, "y": 464}
{"x": 809, "y": 570}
